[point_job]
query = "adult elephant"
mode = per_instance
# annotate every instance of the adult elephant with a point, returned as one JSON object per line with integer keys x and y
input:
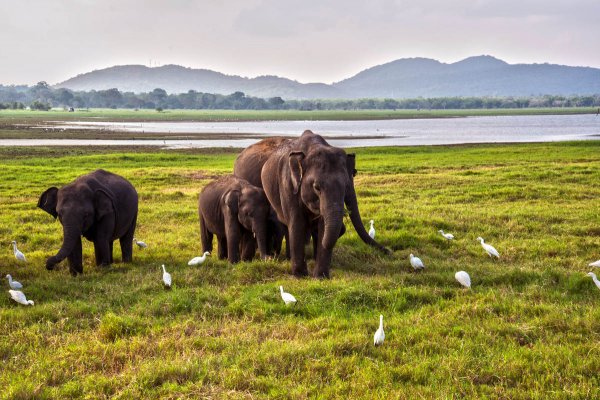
{"x": 100, "y": 206}
{"x": 307, "y": 182}
{"x": 237, "y": 212}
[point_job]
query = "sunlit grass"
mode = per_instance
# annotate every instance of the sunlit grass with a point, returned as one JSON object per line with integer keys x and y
{"x": 528, "y": 328}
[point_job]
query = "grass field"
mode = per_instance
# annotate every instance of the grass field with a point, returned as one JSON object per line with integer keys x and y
{"x": 119, "y": 115}
{"x": 528, "y": 328}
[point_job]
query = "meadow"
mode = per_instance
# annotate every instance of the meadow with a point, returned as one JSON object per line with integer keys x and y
{"x": 146, "y": 115}
{"x": 528, "y": 328}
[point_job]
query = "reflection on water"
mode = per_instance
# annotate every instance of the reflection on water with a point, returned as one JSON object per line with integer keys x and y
{"x": 348, "y": 133}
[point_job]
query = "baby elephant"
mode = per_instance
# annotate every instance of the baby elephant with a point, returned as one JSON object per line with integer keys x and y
{"x": 102, "y": 207}
{"x": 238, "y": 213}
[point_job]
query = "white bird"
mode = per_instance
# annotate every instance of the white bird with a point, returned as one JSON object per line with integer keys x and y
{"x": 19, "y": 297}
{"x": 140, "y": 243}
{"x": 199, "y": 260}
{"x": 379, "y": 336}
{"x": 166, "y": 277}
{"x": 596, "y": 281}
{"x": 595, "y": 264}
{"x": 416, "y": 262}
{"x": 13, "y": 284}
{"x": 492, "y": 252}
{"x": 447, "y": 236}
{"x": 463, "y": 278}
{"x": 18, "y": 255}
{"x": 287, "y": 298}
{"x": 372, "y": 230}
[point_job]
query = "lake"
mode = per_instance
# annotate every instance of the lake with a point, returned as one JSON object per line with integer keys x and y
{"x": 402, "y": 132}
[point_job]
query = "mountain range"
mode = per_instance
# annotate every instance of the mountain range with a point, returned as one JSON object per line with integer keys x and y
{"x": 403, "y": 78}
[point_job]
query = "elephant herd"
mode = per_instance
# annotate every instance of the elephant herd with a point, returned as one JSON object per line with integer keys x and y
{"x": 295, "y": 189}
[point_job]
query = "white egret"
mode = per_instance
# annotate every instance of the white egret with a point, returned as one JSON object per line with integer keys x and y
{"x": 18, "y": 255}
{"x": 13, "y": 284}
{"x": 287, "y": 298}
{"x": 199, "y": 260}
{"x": 140, "y": 244}
{"x": 379, "y": 336}
{"x": 492, "y": 252}
{"x": 19, "y": 297}
{"x": 166, "y": 277}
{"x": 595, "y": 264}
{"x": 463, "y": 278}
{"x": 596, "y": 281}
{"x": 372, "y": 230}
{"x": 447, "y": 236}
{"x": 416, "y": 262}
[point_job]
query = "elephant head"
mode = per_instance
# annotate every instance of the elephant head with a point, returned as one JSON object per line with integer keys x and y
{"x": 321, "y": 177}
{"x": 252, "y": 210}
{"x": 77, "y": 208}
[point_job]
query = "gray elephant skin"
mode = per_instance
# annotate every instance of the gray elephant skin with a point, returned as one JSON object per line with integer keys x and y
{"x": 100, "y": 206}
{"x": 237, "y": 212}
{"x": 308, "y": 184}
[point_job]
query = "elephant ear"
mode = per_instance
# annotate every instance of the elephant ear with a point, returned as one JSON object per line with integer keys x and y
{"x": 296, "y": 172}
{"x": 351, "y": 164}
{"x": 232, "y": 200}
{"x": 103, "y": 203}
{"x": 48, "y": 200}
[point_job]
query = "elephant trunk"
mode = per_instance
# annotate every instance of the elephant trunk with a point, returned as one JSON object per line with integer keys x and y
{"x": 70, "y": 236}
{"x": 261, "y": 239}
{"x": 333, "y": 220}
{"x": 352, "y": 204}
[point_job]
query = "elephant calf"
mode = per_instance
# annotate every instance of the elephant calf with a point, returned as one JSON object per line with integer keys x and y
{"x": 238, "y": 213}
{"x": 102, "y": 207}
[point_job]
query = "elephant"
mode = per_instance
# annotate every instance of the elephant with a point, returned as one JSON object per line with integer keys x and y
{"x": 238, "y": 213}
{"x": 100, "y": 206}
{"x": 307, "y": 182}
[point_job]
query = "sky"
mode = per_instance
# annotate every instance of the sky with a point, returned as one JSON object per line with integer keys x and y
{"x": 308, "y": 40}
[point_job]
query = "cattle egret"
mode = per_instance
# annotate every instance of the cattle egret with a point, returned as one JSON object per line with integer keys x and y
{"x": 595, "y": 264}
{"x": 372, "y": 230}
{"x": 13, "y": 284}
{"x": 19, "y": 297}
{"x": 463, "y": 278}
{"x": 287, "y": 298}
{"x": 447, "y": 236}
{"x": 379, "y": 336}
{"x": 166, "y": 277}
{"x": 416, "y": 262}
{"x": 199, "y": 260}
{"x": 596, "y": 281}
{"x": 18, "y": 255}
{"x": 492, "y": 252}
{"x": 140, "y": 243}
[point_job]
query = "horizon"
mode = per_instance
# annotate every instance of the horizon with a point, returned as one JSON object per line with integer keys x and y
{"x": 309, "y": 41}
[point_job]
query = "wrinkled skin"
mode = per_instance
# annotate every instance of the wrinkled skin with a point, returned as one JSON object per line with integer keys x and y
{"x": 100, "y": 206}
{"x": 307, "y": 182}
{"x": 238, "y": 213}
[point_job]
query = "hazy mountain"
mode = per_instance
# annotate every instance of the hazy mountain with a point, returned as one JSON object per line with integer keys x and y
{"x": 404, "y": 78}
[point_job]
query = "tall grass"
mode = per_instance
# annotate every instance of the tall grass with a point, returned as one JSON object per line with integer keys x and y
{"x": 528, "y": 328}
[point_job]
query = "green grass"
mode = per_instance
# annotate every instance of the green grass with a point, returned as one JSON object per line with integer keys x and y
{"x": 528, "y": 328}
{"x": 117, "y": 115}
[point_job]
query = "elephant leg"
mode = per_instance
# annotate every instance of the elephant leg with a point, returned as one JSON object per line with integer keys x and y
{"x": 126, "y": 243}
{"x": 297, "y": 230}
{"x": 206, "y": 237}
{"x": 248, "y": 246}
{"x": 102, "y": 250}
{"x": 314, "y": 233}
{"x": 323, "y": 258}
{"x": 222, "y": 247}
{"x": 110, "y": 251}
{"x": 76, "y": 259}
{"x": 286, "y": 236}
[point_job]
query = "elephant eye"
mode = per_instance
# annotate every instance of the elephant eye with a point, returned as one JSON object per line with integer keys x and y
{"x": 317, "y": 187}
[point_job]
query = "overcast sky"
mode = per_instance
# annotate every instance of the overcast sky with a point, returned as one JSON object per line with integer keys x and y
{"x": 306, "y": 40}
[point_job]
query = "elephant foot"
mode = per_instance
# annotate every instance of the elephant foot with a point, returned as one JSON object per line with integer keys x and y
{"x": 321, "y": 274}
{"x": 50, "y": 264}
{"x": 300, "y": 272}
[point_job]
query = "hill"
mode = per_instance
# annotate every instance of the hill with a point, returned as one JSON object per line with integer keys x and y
{"x": 404, "y": 78}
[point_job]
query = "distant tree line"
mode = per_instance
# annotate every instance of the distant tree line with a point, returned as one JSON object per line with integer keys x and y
{"x": 43, "y": 97}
